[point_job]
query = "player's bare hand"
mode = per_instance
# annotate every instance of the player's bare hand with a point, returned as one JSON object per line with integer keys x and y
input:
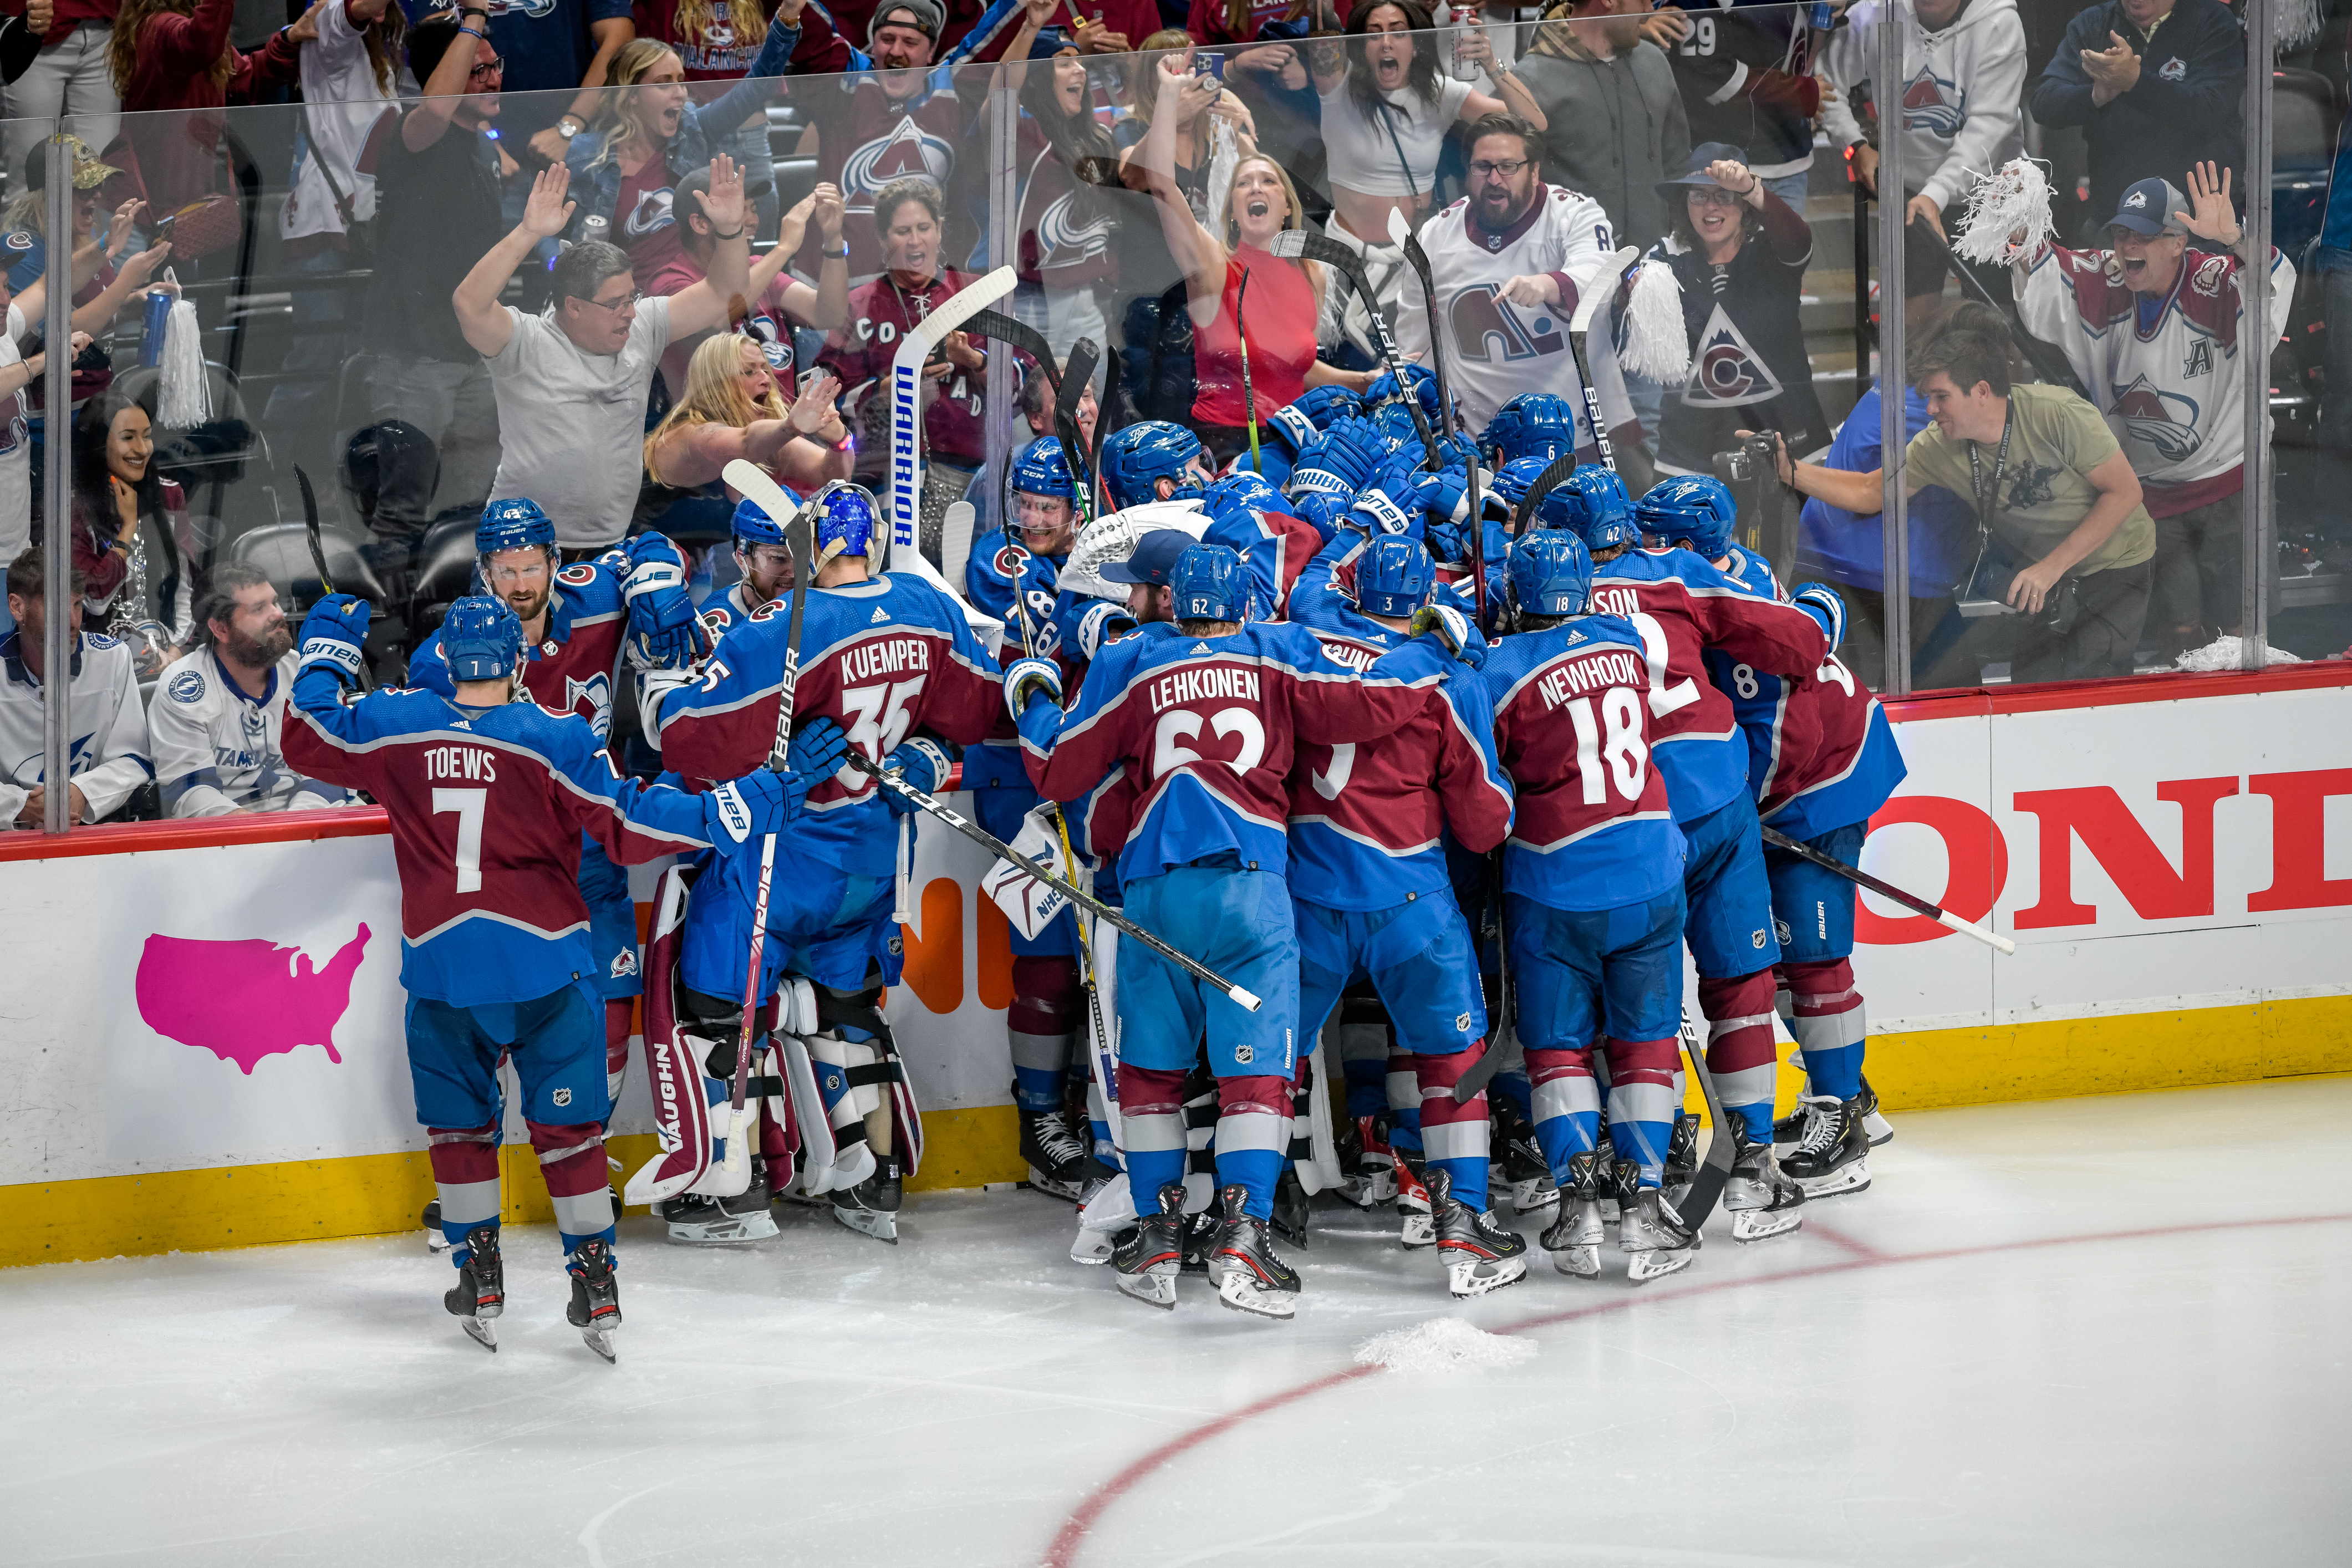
{"x": 2031, "y": 588}
{"x": 1532, "y": 289}
{"x": 1739, "y": 179}
{"x": 2211, "y": 216}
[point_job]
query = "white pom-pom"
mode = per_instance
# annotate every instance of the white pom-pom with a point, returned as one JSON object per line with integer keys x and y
{"x": 2295, "y": 25}
{"x": 2008, "y": 216}
{"x": 185, "y": 402}
{"x": 1656, "y": 347}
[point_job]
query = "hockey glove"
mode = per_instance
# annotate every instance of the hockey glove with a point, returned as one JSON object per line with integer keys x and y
{"x": 333, "y": 633}
{"x": 1341, "y": 460}
{"x": 752, "y": 806}
{"x": 1451, "y": 630}
{"x": 922, "y": 763}
{"x": 817, "y": 749}
{"x": 1098, "y": 623}
{"x": 661, "y": 611}
{"x": 1026, "y": 677}
{"x": 1827, "y": 607}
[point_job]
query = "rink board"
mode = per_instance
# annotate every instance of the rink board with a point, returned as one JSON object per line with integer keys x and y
{"x": 2173, "y": 857}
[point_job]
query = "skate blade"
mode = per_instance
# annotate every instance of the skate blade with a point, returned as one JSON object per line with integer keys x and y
{"x": 1641, "y": 1267}
{"x": 735, "y": 1231}
{"x": 1153, "y": 1289}
{"x": 1762, "y": 1224}
{"x": 435, "y": 1242}
{"x": 879, "y": 1224}
{"x": 1038, "y": 1182}
{"x": 600, "y": 1341}
{"x": 1854, "y": 1178}
{"x": 1240, "y": 1290}
{"x": 479, "y": 1331}
{"x": 1878, "y": 1128}
{"x": 1608, "y": 1211}
{"x": 1295, "y": 1235}
{"x": 1420, "y": 1231}
{"x": 1578, "y": 1262}
{"x": 1534, "y": 1197}
{"x": 1479, "y": 1277}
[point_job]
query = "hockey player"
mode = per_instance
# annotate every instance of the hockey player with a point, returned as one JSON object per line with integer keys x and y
{"x": 1373, "y": 900}
{"x": 764, "y": 560}
{"x": 1592, "y": 891}
{"x": 1532, "y": 424}
{"x": 891, "y": 662}
{"x": 1152, "y": 459}
{"x": 220, "y": 709}
{"x": 1682, "y": 606}
{"x": 1032, "y": 547}
{"x": 106, "y": 746}
{"x": 489, "y": 797}
{"x": 1209, "y": 709}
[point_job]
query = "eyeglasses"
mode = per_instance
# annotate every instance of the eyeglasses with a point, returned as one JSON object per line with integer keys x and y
{"x": 491, "y": 66}
{"x": 623, "y": 303}
{"x": 1703, "y": 197}
{"x": 1509, "y": 169}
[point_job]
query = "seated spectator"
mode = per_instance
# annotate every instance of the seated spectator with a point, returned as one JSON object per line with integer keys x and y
{"x": 218, "y": 709}
{"x": 1963, "y": 70}
{"x": 107, "y": 744}
{"x": 779, "y": 300}
{"x": 1739, "y": 252}
{"x": 1036, "y": 405}
{"x": 2064, "y": 540}
{"x": 1618, "y": 131}
{"x": 2182, "y": 109}
{"x": 1746, "y": 80}
{"x": 2174, "y": 361}
{"x": 571, "y": 385}
{"x": 735, "y": 407}
{"x": 175, "y": 55}
{"x": 133, "y": 542}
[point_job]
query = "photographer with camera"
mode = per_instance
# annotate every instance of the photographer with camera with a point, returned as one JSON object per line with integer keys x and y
{"x": 2064, "y": 542}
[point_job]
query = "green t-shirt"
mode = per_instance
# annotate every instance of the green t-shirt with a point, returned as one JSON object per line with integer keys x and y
{"x": 2055, "y": 440}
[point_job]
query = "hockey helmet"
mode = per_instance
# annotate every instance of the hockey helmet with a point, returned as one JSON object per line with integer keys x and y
{"x": 1208, "y": 583}
{"x": 751, "y": 525}
{"x": 480, "y": 638}
{"x": 1241, "y": 490}
{"x": 1550, "y": 573}
{"x": 1512, "y": 481}
{"x": 1592, "y": 504}
{"x": 1040, "y": 470}
{"x": 515, "y": 524}
{"x": 1533, "y": 424}
{"x": 1393, "y": 576}
{"x": 1311, "y": 412}
{"x": 846, "y": 516}
{"x": 1697, "y": 508}
{"x": 1136, "y": 458}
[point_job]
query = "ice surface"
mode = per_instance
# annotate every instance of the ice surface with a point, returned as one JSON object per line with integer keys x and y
{"x": 1441, "y": 1344}
{"x": 1931, "y": 1372}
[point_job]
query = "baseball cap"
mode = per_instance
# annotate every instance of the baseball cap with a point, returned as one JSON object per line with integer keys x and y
{"x": 925, "y": 17}
{"x": 88, "y": 172}
{"x": 2148, "y": 208}
{"x": 1154, "y": 558}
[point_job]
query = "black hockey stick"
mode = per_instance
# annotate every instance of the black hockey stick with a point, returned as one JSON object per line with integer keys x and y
{"x": 1300, "y": 243}
{"x": 2047, "y": 362}
{"x": 1555, "y": 472}
{"x": 1699, "y": 1198}
{"x": 1062, "y": 885}
{"x": 1912, "y": 901}
{"x": 1499, "y": 1025}
{"x": 1018, "y": 335}
{"x": 1449, "y": 417}
{"x": 1068, "y": 393}
{"x": 319, "y": 553}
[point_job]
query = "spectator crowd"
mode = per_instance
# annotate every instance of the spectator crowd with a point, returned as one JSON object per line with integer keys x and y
{"x": 587, "y": 253}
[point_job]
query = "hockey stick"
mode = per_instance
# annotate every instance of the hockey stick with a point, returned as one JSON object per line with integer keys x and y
{"x": 319, "y": 552}
{"x": 1068, "y": 393}
{"x": 1558, "y": 469}
{"x": 1094, "y": 996}
{"x": 1020, "y": 335}
{"x": 907, "y": 398}
{"x": 1587, "y": 305}
{"x": 1249, "y": 391}
{"x": 1912, "y": 901}
{"x": 1706, "y": 1182}
{"x": 1471, "y": 1082}
{"x": 2047, "y": 362}
{"x": 955, "y": 539}
{"x": 1060, "y": 884}
{"x": 1449, "y": 418}
{"x": 1297, "y": 244}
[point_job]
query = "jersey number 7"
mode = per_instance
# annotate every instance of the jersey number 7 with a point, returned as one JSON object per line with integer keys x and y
{"x": 469, "y": 804}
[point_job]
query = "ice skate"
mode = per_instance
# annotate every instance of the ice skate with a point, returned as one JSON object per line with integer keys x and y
{"x": 871, "y": 1207}
{"x": 595, "y": 1309}
{"x": 1574, "y": 1238}
{"x": 1762, "y": 1201}
{"x": 1480, "y": 1254}
{"x": 1830, "y": 1160}
{"x": 435, "y": 1238}
{"x": 1252, "y": 1277}
{"x": 1375, "y": 1179}
{"x": 1412, "y": 1202}
{"x": 1199, "y": 1234}
{"x": 1058, "y": 1163}
{"x": 1871, "y": 1121}
{"x": 1149, "y": 1257}
{"x": 1649, "y": 1232}
{"x": 697, "y": 1220}
{"x": 1522, "y": 1162}
{"x": 480, "y": 1294}
{"x": 1682, "y": 1154}
{"x": 1290, "y": 1209}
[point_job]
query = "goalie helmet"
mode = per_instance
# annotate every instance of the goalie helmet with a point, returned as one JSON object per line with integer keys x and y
{"x": 1693, "y": 508}
{"x": 751, "y": 525}
{"x": 1208, "y": 583}
{"x": 480, "y": 638}
{"x": 1393, "y": 576}
{"x": 1135, "y": 458}
{"x": 515, "y": 524}
{"x": 846, "y": 515}
{"x": 1550, "y": 573}
{"x": 1532, "y": 424}
{"x": 1592, "y": 504}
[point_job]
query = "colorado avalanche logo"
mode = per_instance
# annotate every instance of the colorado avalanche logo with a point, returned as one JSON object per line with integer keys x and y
{"x": 1934, "y": 104}
{"x": 650, "y": 216}
{"x": 909, "y": 150}
{"x": 1008, "y": 564}
{"x": 596, "y": 692}
{"x": 1062, "y": 242}
{"x": 2150, "y": 417}
{"x": 1489, "y": 330}
{"x": 1726, "y": 371}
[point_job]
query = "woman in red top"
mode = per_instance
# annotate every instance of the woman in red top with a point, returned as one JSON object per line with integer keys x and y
{"x": 175, "y": 53}
{"x": 1284, "y": 296}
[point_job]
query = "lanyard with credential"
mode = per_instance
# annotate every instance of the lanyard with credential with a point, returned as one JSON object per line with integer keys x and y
{"x": 1986, "y": 499}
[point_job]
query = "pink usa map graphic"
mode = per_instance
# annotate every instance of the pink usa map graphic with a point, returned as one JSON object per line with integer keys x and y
{"x": 243, "y": 1001}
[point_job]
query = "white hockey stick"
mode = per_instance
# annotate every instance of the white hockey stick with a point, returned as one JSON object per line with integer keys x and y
{"x": 907, "y": 401}
{"x": 1601, "y": 286}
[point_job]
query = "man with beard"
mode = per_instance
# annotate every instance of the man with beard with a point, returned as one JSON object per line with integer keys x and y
{"x": 220, "y": 709}
{"x": 1508, "y": 260}
{"x": 764, "y": 560}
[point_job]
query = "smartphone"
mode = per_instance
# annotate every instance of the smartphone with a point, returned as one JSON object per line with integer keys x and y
{"x": 1209, "y": 65}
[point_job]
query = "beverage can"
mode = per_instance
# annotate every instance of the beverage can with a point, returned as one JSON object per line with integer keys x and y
{"x": 153, "y": 320}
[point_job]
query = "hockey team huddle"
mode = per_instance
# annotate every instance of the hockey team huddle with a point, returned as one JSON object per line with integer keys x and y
{"x": 1438, "y": 756}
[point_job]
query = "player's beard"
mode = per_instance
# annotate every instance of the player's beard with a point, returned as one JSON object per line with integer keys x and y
{"x": 528, "y": 607}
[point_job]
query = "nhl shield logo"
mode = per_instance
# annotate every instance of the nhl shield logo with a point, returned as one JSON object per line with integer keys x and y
{"x": 1755, "y": 938}
{"x": 1461, "y": 1023}
{"x": 562, "y": 1097}
{"x": 1244, "y": 1054}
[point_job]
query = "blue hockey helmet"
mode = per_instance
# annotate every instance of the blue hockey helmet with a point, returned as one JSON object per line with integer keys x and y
{"x": 1592, "y": 504}
{"x": 1136, "y": 457}
{"x": 1533, "y": 424}
{"x": 846, "y": 515}
{"x": 751, "y": 525}
{"x": 1515, "y": 478}
{"x": 1243, "y": 489}
{"x": 513, "y": 524}
{"x": 480, "y": 638}
{"x": 1300, "y": 421}
{"x": 1393, "y": 576}
{"x": 1550, "y": 572}
{"x": 1693, "y": 508}
{"x": 1208, "y": 583}
{"x": 1040, "y": 470}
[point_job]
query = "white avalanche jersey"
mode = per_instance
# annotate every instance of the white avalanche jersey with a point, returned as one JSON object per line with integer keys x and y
{"x": 2172, "y": 391}
{"x": 106, "y": 753}
{"x": 216, "y": 749}
{"x": 1495, "y": 350}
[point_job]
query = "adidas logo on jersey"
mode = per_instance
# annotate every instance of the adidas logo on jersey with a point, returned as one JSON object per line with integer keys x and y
{"x": 881, "y": 615}
{"x": 1200, "y": 647}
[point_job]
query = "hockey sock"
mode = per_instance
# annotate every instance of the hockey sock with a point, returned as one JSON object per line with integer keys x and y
{"x": 1739, "y": 1048}
{"x": 466, "y": 1179}
{"x": 1643, "y": 1104}
{"x": 1253, "y": 1137}
{"x": 1403, "y": 1091}
{"x": 620, "y": 1022}
{"x": 1453, "y": 1135}
{"x": 1151, "y": 1110}
{"x": 1098, "y": 1123}
{"x": 1040, "y": 1026}
{"x": 1567, "y": 1105}
{"x": 573, "y": 1160}
{"x": 1830, "y": 1022}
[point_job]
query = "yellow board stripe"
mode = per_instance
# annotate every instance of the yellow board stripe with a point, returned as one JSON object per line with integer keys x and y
{"x": 377, "y": 1194}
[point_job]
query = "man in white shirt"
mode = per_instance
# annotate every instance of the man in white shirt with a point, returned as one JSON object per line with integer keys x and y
{"x": 219, "y": 709}
{"x": 572, "y": 384}
{"x": 107, "y": 746}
